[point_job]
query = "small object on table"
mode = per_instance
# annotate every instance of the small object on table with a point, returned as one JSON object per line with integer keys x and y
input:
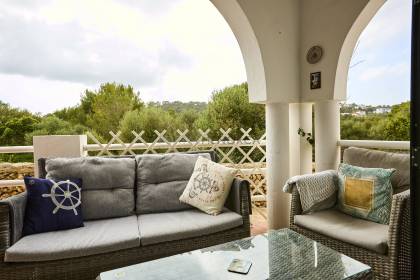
{"x": 240, "y": 266}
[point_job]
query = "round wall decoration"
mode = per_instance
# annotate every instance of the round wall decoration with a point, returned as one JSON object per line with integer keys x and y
{"x": 314, "y": 54}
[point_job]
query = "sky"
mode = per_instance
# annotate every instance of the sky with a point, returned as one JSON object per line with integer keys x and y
{"x": 51, "y": 51}
{"x": 380, "y": 68}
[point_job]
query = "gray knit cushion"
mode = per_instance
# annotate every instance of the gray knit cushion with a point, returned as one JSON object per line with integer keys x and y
{"x": 343, "y": 227}
{"x": 317, "y": 191}
{"x": 377, "y": 159}
{"x": 17, "y": 206}
{"x": 95, "y": 237}
{"x": 161, "y": 227}
{"x": 108, "y": 183}
{"x": 161, "y": 179}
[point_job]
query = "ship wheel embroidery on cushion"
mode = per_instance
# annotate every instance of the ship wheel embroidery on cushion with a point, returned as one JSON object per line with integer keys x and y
{"x": 203, "y": 183}
{"x": 65, "y": 195}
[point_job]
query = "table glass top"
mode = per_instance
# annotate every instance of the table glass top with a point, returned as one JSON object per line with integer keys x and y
{"x": 281, "y": 254}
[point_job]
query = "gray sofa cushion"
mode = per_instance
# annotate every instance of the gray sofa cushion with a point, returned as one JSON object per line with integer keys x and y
{"x": 108, "y": 183}
{"x": 161, "y": 179}
{"x": 337, "y": 225}
{"x": 377, "y": 159}
{"x": 161, "y": 227}
{"x": 95, "y": 237}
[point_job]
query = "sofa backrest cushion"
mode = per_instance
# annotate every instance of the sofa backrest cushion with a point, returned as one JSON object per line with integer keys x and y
{"x": 161, "y": 179}
{"x": 378, "y": 159}
{"x": 108, "y": 183}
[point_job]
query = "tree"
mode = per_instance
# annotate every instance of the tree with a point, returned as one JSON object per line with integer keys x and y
{"x": 52, "y": 125}
{"x": 148, "y": 120}
{"x": 230, "y": 108}
{"x": 397, "y": 126}
{"x": 7, "y": 113}
{"x": 392, "y": 126}
{"x": 187, "y": 118}
{"x": 14, "y": 124}
{"x": 360, "y": 128}
{"x": 107, "y": 106}
{"x": 178, "y": 106}
{"x": 14, "y": 131}
{"x": 73, "y": 115}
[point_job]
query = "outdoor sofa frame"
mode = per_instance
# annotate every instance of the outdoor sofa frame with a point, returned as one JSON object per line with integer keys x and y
{"x": 90, "y": 267}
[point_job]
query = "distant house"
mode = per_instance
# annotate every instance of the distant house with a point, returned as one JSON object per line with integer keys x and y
{"x": 359, "y": 114}
{"x": 382, "y": 110}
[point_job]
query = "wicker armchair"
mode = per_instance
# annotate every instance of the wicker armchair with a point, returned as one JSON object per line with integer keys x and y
{"x": 396, "y": 263}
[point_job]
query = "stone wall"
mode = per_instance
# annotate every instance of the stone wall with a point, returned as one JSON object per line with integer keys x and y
{"x": 14, "y": 171}
{"x": 255, "y": 179}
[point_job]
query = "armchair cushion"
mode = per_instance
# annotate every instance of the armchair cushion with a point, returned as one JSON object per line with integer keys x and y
{"x": 316, "y": 191}
{"x": 379, "y": 159}
{"x": 365, "y": 193}
{"x": 334, "y": 224}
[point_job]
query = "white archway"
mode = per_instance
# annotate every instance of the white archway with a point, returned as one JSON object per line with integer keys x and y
{"x": 248, "y": 43}
{"x": 341, "y": 76}
{"x": 274, "y": 37}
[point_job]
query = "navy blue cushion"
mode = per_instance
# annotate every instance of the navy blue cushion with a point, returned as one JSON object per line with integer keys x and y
{"x": 52, "y": 205}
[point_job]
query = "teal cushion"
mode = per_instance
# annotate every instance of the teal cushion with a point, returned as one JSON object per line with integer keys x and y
{"x": 365, "y": 193}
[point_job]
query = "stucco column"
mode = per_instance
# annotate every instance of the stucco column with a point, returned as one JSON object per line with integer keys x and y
{"x": 300, "y": 116}
{"x": 294, "y": 139}
{"x": 305, "y": 122}
{"x": 278, "y": 164}
{"x": 327, "y": 134}
{"x": 58, "y": 146}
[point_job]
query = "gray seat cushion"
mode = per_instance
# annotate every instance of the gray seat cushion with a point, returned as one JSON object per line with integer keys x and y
{"x": 161, "y": 227}
{"x": 108, "y": 183}
{"x": 337, "y": 225}
{"x": 95, "y": 237}
{"x": 161, "y": 179}
{"x": 377, "y": 159}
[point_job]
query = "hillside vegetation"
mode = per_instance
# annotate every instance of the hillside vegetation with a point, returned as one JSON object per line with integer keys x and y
{"x": 116, "y": 107}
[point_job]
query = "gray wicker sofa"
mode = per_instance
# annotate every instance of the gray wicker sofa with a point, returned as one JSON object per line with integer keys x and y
{"x": 386, "y": 248}
{"x": 132, "y": 214}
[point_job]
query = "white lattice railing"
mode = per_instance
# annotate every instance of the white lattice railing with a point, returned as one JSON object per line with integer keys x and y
{"x": 246, "y": 154}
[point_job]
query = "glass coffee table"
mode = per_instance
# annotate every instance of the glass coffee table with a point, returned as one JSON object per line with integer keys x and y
{"x": 280, "y": 254}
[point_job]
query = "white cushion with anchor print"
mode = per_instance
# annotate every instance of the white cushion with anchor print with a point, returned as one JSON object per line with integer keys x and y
{"x": 208, "y": 187}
